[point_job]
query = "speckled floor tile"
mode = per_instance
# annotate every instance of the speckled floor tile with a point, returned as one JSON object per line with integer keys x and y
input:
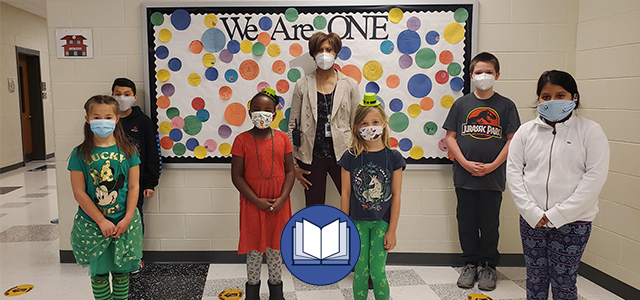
{"x": 404, "y": 278}
{"x": 14, "y": 204}
{"x": 300, "y": 285}
{"x": 213, "y": 287}
{"x": 8, "y": 189}
{"x": 348, "y": 294}
{"x": 35, "y": 195}
{"x": 48, "y": 187}
{"x": 29, "y": 233}
{"x": 169, "y": 281}
{"x": 452, "y": 291}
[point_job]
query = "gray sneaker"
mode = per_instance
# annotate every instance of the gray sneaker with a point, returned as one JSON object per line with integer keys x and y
{"x": 487, "y": 278}
{"x": 467, "y": 277}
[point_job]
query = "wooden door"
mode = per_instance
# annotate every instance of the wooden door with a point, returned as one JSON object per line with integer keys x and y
{"x": 25, "y": 107}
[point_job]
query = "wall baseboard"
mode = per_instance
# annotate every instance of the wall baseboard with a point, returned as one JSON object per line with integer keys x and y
{"x": 12, "y": 167}
{"x": 415, "y": 259}
{"x": 50, "y": 155}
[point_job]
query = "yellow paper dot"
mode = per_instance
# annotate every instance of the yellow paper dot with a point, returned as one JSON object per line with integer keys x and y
{"x": 279, "y": 116}
{"x": 414, "y": 110}
{"x": 165, "y": 127}
{"x": 163, "y": 75}
{"x": 416, "y": 152}
{"x": 395, "y": 15}
{"x": 200, "y": 152}
{"x": 447, "y": 101}
{"x": 194, "y": 79}
{"x": 225, "y": 149}
{"x": 210, "y": 20}
{"x": 274, "y": 50}
{"x": 453, "y": 33}
{"x": 208, "y": 60}
{"x": 372, "y": 70}
{"x": 164, "y": 35}
{"x": 246, "y": 46}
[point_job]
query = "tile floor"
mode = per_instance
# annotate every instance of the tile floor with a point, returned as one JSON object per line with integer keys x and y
{"x": 29, "y": 248}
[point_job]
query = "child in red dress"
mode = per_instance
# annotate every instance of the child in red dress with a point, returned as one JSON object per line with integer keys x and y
{"x": 263, "y": 172}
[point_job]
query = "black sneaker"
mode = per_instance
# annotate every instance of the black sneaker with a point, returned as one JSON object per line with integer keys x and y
{"x": 487, "y": 278}
{"x": 468, "y": 276}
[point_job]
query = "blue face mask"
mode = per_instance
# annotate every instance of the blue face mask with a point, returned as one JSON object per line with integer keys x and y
{"x": 102, "y": 127}
{"x": 556, "y": 110}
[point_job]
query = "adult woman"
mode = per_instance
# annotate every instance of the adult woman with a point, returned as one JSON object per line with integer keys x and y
{"x": 322, "y": 108}
{"x": 556, "y": 167}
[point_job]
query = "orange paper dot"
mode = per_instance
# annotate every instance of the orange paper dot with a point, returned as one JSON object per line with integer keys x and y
{"x": 295, "y": 49}
{"x": 393, "y": 142}
{"x": 249, "y": 69}
{"x": 426, "y": 103}
{"x": 196, "y": 47}
{"x": 264, "y": 38}
{"x": 353, "y": 72}
{"x": 235, "y": 114}
{"x": 279, "y": 67}
{"x": 446, "y": 57}
{"x": 166, "y": 143}
{"x": 225, "y": 93}
{"x": 163, "y": 102}
{"x": 393, "y": 81}
{"x": 282, "y": 86}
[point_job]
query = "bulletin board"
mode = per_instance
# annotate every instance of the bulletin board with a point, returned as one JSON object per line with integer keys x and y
{"x": 206, "y": 60}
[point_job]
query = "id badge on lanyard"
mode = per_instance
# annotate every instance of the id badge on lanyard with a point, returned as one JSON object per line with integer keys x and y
{"x": 327, "y": 127}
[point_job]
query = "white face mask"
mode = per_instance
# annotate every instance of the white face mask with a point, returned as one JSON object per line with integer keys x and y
{"x": 261, "y": 119}
{"x": 484, "y": 81}
{"x": 325, "y": 60}
{"x": 371, "y": 133}
{"x": 125, "y": 102}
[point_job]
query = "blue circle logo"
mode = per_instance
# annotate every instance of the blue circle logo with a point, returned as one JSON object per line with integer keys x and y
{"x": 320, "y": 245}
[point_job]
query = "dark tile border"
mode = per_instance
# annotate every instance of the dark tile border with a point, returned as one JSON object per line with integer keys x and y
{"x": 415, "y": 259}
{"x": 12, "y": 167}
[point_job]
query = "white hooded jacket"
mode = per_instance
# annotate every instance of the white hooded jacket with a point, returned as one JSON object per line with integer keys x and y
{"x": 558, "y": 172}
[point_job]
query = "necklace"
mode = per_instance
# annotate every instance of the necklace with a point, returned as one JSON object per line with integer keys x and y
{"x": 258, "y": 153}
{"x": 324, "y": 96}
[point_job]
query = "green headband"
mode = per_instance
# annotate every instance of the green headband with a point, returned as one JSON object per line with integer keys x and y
{"x": 370, "y": 99}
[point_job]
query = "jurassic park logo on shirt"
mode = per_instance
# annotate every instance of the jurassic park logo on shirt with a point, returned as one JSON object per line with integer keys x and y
{"x": 482, "y": 123}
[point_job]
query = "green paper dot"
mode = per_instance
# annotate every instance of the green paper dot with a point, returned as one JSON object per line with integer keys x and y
{"x": 157, "y": 18}
{"x": 430, "y": 128}
{"x": 320, "y": 22}
{"x": 192, "y": 125}
{"x": 454, "y": 69}
{"x": 258, "y": 49}
{"x": 425, "y": 58}
{"x": 293, "y": 75}
{"x": 179, "y": 149}
{"x": 172, "y": 112}
{"x": 291, "y": 14}
{"x": 461, "y": 15}
{"x": 398, "y": 122}
{"x": 284, "y": 125}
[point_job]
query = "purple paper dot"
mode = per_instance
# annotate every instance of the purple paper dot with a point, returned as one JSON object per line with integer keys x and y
{"x": 413, "y": 23}
{"x": 226, "y": 56}
{"x": 405, "y": 61}
{"x": 224, "y": 131}
{"x": 168, "y": 89}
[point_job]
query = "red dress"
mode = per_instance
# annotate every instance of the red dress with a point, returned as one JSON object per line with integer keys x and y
{"x": 261, "y": 229}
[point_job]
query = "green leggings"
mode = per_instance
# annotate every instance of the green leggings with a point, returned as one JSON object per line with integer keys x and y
{"x": 372, "y": 260}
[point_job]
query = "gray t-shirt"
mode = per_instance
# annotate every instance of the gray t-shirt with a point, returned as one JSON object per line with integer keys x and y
{"x": 481, "y": 128}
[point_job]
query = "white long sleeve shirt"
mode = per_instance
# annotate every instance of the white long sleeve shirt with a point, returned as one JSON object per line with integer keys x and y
{"x": 558, "y": 172}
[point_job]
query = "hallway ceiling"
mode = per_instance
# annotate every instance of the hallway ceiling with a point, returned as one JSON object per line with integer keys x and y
{"x": 36, "y": 7}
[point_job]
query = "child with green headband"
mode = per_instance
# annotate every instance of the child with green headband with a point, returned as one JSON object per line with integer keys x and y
{"x": 371, "y": 185}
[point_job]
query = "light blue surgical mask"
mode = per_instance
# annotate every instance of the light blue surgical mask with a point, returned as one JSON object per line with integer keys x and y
{"x": 556, "y": 110}
{"x": 102, "y": 127}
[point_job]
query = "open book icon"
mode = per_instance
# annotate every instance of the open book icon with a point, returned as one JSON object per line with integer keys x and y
{"x": 313, "y": 245}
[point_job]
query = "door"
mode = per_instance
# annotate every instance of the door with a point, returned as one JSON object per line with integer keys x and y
{"x": 25, "y": 107}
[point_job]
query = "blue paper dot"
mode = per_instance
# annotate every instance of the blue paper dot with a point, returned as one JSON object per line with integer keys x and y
{"x": 231, "y": 75}
{"x": 211, "y": 74}
{"x": 456, "y": 83}
{"x": 180, "y": 19}
{"x": 372, "y": 87}
{"x": 213, "y": 40}
{"x": 287, "y": 113}
{"x": 162, "y": 52}
{"x": 345, "y": 53}
{"x": 280, "y": 103}
{"x": 265, "y": 23}
{"x": 233, "y": 46}
{"x": 405, "y": 144}
{"x": 202, "y": 115}
{"x": 408, "y": 42}
{"x": 432, "y": 37}
{"x": 419, "y": 85}
{"x": 192, "y": 143}
{"x": 381, "y": 101}
{"x": 386, "y": 47}
{"x": 175, "y": 64}
{"x": 175, "y": 134}
{"x": 395, "y": 105}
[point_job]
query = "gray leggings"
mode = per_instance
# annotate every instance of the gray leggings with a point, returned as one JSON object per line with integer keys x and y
{"x": 254, "y": 266}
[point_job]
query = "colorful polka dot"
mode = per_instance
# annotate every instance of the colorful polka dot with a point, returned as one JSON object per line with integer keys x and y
{"x": 345, "y": 53}
{"x": 197, "y": 103}
{"x": 405, "y": 144}
{"x": 398, "y": 122}
{"x": 231, "y": 75}
{"x": 395, "y": 105}
{"x": 211, "y": 74}
{"x": 446, "y": 101}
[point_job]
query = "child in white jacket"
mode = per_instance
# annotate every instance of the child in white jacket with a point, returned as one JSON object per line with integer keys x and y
{"x": 556, "y": 167}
